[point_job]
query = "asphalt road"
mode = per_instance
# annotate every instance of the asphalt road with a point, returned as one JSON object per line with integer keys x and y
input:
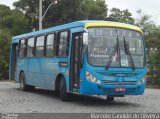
{"x": 13, "y": 100}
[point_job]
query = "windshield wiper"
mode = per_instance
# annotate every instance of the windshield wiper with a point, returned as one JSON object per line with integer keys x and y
{"x": 112, "y": 55}
{"x": 128, "y": 52}
{"x": 114, "y": 52}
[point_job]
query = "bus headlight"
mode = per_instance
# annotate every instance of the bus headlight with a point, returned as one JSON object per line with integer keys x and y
{"x": 142, "y": 80}
{"x": 91, "y": 78}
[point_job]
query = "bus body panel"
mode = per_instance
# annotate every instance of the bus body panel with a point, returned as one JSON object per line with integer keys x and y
{"x": 41, "y": 72}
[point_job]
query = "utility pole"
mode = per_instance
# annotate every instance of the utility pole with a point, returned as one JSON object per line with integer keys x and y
{"x": 40, "y": 14}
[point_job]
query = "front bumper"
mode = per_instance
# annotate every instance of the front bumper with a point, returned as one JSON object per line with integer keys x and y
{"x": 89, "y": 88}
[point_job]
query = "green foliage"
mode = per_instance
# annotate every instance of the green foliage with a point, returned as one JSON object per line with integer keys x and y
{"x": 19, "y": 23}
{"x": 152, "y": 37}
{"x": 96, "y": 10}
{"x": 4, "y": 11}
{"x": 153, "y": 42}
{"x": 12, "y": 22}
{"x": 5, "y": 37}
{"x": 145, "y": 23}
{"x": 123, "y": 16}
{"x": 64, "y": 11}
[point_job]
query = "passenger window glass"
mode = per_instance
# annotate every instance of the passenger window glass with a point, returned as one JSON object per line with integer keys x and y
{"x": 50, "y": 51}
{"x": 22, "y": 49}
{"x": 40, "y": 46}
{"x": 30, "y": 47}
{"x": 63, "y": 44}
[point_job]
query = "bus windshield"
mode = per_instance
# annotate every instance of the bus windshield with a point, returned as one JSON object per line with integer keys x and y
{"x": 115, "y": 47}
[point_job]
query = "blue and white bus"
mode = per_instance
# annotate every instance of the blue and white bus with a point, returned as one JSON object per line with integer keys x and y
{"x": 83, "y": 57}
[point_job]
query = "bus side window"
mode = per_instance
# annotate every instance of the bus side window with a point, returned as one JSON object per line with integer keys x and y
{"x": 50, "y": 50}
{"x": 40, "y": 46}
{"x": 30, "y": 47}
{"x": 22, "y": 48}
{"x": 63, "y": 46}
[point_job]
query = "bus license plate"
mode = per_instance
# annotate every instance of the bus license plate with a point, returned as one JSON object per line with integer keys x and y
{"x": 120, "y": 89}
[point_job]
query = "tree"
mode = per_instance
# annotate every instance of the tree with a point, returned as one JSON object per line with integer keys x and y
{"x": 96, "y": 10}
{"x": 152, "y": 38}
{"x": 5, "y": 38}
{"x": 144, "y": 22}
{"x": 149, "y": 29}
{"x": 121, "y": 16}
{"x": 64, "y": 11}
{"x": 19, "y": 23}
{"x": 4, "y": 11}
{"x": 12, "y": 22}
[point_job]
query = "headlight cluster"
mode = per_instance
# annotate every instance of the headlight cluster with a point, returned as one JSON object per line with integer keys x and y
{"x": 91, "y": 78}
{"x": 142, "y": 80}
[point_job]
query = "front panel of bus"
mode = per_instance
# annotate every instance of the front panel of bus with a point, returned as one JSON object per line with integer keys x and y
{"x": 114, "y": 62}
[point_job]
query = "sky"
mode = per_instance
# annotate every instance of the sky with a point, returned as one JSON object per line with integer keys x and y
{"x": 150, "y": 7}
{"x": 7, "y": 2}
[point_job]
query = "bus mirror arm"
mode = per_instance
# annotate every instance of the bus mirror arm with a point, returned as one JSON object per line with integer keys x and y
{"x": 85, "y": 30}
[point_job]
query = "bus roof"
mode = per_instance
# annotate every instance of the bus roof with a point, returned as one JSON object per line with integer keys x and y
{"x": 85, "y": 24}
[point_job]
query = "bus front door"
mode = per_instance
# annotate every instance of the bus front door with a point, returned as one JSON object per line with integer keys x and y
{"x": 75, "y": 62}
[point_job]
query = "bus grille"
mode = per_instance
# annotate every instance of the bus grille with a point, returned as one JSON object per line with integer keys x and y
{"x": 122, "y": 74}
{"x": 106, "y": 82}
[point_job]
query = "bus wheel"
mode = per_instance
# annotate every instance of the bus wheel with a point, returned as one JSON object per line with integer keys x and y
{"x": 23, "y": 85}
{"x": 63, "y": 91}
{"x": 110, "y": 98}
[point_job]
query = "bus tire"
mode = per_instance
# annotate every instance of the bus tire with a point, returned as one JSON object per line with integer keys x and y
{"x": 23, "y": 85}
{"x": 63, "y": 90}
{"x": 110, "y": 98}
{"x": 30, "y": 88}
